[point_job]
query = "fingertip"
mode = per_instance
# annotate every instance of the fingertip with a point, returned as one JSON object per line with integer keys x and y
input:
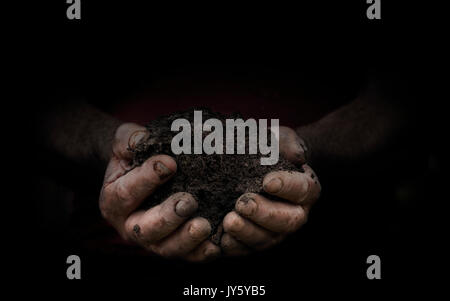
{"x": 211, "y": 251}
{"x": 164, "y": 166}
{"x": 186, "y": 205}
{"x": 200, "y": 228}
{"x": 303, "y": 189}
{"x": 233, "y": 222}
{"x": 226, "y": 242}
{"x": 272, "y": 184}
{"x": 139, "y": 134}
{"x": 246, "y": 205}
{"x": 169, "y": 162}
{"x": 205, "y": 252}
{"x": 232, "y": 247}
{"x": 292, "y": 147}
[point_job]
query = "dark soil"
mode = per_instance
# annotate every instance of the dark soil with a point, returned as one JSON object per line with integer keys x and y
{"x": 215, "y": 181}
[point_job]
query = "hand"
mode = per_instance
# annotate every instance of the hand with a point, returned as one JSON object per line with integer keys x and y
{"x": 258, "y": 222}
{"x": 164, "y": 229}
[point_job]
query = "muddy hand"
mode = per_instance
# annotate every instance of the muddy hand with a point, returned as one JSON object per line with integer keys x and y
{"x": 257, "y": 222}
{"x": 165, "y": 229}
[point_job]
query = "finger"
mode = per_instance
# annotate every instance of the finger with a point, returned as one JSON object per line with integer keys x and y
{"x": 248, "y": 233}
{"x": 279, "y": 217}
{"x": 185, "y": 239}
{"x": 127, "y": 137}
{"x": 206, "y": 251}
{"x": 290, "y": 185}
{"x": 124, "y": 195}
{"x": 147, "y": 227}
{"x": 232, "y": 247}
{"x": 292, "y": 146}
{"x": 316, "y": 188}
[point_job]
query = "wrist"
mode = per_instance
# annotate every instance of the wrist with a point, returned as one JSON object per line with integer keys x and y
{"x": 305, "y": 136}
{"x": 105, "y": 140}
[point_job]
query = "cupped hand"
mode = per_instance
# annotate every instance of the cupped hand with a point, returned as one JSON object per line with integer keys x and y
{"x": 259, "y": 222}
{"x": 166, "y": 229}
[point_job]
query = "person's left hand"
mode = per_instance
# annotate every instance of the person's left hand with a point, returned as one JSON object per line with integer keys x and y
{"x": 257, "y": 222}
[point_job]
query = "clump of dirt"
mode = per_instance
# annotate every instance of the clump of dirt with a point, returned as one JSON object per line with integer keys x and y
{"x": 215, "y": 181}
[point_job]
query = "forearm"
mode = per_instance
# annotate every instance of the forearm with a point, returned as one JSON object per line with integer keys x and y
{"x": 357, "y": 129}
{"x": 78, "y": 132}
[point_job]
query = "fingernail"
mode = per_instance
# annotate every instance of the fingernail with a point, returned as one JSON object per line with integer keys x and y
{"x": 185, "y": 208}
{"x": 273, "y": 186}
{"x": 161, "y": 170}
{"x": 136, "y": 137}
{"x": 246, "y": 205}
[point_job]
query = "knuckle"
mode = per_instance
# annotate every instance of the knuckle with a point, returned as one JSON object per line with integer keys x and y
{"x": 107, "y": 212}
{"x": 123, "y": 193}
{"x": 272, "y": 215}
{"x": 104, "y": 209}
{"x": 104, "y": 204}
{"x": 304, "y": 190}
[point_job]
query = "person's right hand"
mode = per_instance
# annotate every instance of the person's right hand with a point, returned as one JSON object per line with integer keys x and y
{"x": 164, "y": 229}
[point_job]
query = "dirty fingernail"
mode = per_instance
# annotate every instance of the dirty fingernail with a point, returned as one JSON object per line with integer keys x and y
{"x": 161, "y": 170}
{"x": 246, "y": 205}
{"x": 273, "y": 186}
{"x": 185, "y": 208}
{"x": 136, "y": 137}
{"x": 198, "y": 231}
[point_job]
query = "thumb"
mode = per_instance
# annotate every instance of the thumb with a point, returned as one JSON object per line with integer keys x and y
{"x": 127, "y": 137}
{"x": 292, "y": 147}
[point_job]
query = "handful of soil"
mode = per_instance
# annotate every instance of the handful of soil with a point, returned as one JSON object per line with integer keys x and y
{"x": 215, "y": 181}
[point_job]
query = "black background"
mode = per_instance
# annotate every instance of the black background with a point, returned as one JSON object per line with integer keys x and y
{"x": 347, "y": 225}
